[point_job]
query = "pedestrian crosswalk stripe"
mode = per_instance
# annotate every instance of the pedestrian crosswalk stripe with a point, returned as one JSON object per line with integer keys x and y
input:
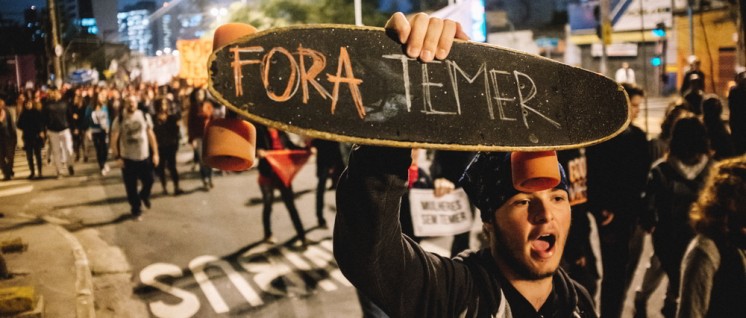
{"x": 16, "y": 191}
{"x": 5, "y": 184}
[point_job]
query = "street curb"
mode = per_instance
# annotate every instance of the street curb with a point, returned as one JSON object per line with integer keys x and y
{"x": 84, "y": 304}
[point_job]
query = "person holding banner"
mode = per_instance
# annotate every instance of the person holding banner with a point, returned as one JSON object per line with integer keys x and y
{"x": 518, "y": 275}
{"x": 446, "y": 170}
{"x": 267, "y": 141}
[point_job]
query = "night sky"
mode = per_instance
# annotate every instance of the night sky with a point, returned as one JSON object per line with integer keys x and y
{"x": 13, "y": 9}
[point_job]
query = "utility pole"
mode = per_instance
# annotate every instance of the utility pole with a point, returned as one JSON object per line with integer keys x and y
{"x": 741, "y": 52}
{"x": 56, "y": 47}
{"x": 605, "y": 35}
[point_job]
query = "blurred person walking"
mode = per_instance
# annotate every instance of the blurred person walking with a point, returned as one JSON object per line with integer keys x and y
{"x": 132, "y": 140}
{"x": 8, "y": 140}
{"x": 79, "y": 125}
{"x": 31, "y": 123}
{"x": 269, "y": 139}
{"x": 617, "y": 173}
{"x": 672, "y": 188}
{"x": 98, "y": 121}
{"x": 166, "y": 129}
{"x": 57, "y": 119}
{"x": 329, "y": 165}
{"x": 717, "y": 132}
{"x": 199, "y": 114}
{"x": 737, "y": 116}
{"x": 713, "y": 273}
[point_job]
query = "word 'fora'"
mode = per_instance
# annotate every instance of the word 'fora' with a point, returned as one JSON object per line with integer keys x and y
{"x": 300, "y": 76}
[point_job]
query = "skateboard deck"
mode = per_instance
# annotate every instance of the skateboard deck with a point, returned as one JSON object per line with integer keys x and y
{"x": 355, "y": 84}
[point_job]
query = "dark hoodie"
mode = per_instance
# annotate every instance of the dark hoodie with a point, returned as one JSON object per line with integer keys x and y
{"x": 406, "y": 281}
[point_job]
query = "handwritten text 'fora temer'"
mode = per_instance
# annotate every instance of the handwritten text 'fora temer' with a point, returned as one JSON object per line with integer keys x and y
{"x": 300, "y": 76}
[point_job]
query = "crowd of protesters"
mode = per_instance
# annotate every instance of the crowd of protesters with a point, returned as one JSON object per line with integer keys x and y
{"x": 683, "y": 188}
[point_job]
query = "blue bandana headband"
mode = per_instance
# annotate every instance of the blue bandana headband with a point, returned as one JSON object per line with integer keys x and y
{"x": 488, "y": 181}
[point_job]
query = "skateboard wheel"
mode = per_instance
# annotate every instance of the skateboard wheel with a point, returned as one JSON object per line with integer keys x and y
{"x": 229, "y": 32}
{"x": 535, "y": 171}
{"x": 229, "y": 144}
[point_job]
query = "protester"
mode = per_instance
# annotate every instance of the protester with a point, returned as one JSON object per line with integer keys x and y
{"x": 166, "y": 129}
{"x": 79, "y": 126}
{"x": 199, "y": 114}
{"x": 717, "y": 132}
{"x": 31, "y": 123}
{"x": 695, "y": 93}
{"x": 132, "y": 139}
{"x": 692, "y": 74}
{"x": 518, "y": 274}
{"x": 713, "y": 273}
{"x": 98, "y": 121}
{"x": 659, "y": 144}
{"x": 737, "y": 116}
{"x": 581, "y": 259}
{"x": 617, "y": 173}
{"x": 625, "y": 74}
{"x": 672, "y": 188}
{"x": 57, "y": 119}
{"x": 8, "y": 140}
{"x": 328, "y": 165}
{"x": 445, "y": 170}
{"x": 268, "y": 139}
{"x": 653, "y": 272}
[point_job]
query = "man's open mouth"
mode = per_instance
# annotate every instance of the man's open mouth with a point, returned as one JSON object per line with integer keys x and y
{"x": 543, "y": 246}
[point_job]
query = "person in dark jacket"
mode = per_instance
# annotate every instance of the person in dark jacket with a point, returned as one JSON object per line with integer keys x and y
{"x": 166, "y": 129}
{"x": 8, "y": 140}
{"x": 517, "y": 276}
{"x": 79, "y": 126}
{"x": 717, "y": 132}
{"x": 617, "y": 173}
{"x": 737, "y": 116}
{"x": 31, "y": 123}
{"x": 713, "y": 273}
{"x": 672, "y": 188}
{"x": 445, "y": 170}
{"x": 328, "y": 165}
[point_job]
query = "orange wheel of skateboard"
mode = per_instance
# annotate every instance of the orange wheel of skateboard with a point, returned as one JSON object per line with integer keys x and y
{"x": 229, "y": 144}
{"x": 535, "y": 171}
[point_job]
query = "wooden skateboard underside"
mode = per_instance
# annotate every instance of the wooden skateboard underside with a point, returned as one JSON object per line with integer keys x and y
{"x": 354, "y": 84}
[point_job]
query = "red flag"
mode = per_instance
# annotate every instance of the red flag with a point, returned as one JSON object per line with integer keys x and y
{"x": 286, "y": 163}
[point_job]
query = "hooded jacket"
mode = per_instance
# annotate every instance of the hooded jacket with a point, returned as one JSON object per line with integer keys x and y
{"x": 406, "y": 281}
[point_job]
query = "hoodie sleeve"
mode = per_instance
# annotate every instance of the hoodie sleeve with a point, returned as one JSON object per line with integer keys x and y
{"x": 388, "y": 267}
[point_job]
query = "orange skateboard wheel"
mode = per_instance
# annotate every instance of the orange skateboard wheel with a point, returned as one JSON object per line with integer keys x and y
{"x": 230, "y": 32}
{"x": 535, "y": 171}
{"x": 229, "y": 144}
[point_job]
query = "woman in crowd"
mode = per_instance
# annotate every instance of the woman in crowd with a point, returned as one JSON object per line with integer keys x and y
{"x": 713, "y": 280}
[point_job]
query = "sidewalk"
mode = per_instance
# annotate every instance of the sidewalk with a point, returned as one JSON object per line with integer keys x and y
{"x": 54, "y": 263}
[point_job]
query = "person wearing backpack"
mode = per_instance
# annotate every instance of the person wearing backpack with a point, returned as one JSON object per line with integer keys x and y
{"x": 673, "y": 186}
{"x": 133, "y": 140}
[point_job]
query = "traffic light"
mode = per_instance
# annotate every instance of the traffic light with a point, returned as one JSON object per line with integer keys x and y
{"x": 660, "y": 30}
{"x": 656, "y": 60}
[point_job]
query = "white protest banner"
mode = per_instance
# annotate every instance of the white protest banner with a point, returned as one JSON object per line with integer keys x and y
{"x": 447, "y": 215}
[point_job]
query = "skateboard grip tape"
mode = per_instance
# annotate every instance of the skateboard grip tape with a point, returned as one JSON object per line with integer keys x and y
{"x": 535, "y": 171}
{"x": 229, "y": 144}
